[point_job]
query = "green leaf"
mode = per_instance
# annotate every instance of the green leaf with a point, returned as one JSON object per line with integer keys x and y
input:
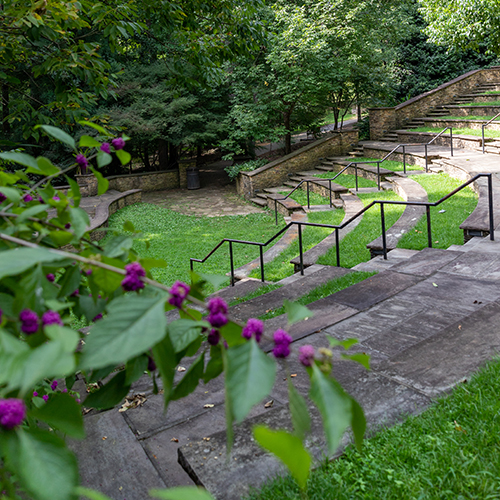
{"x": 358, "y": 423}
{"x": 110, "y": 394}
{"x": 11, "y": 193}
{"x": 21, "y": 158}
{"x": 103, "y": 159}
{"x": 184, "y": 331}
{"x": 128, "y": 226}
{"x": 231, "y": 332}
{"x": 62, "y": 412}
{"x": 249, "y": 378}
{"x": 334, "y": 405}
{"x": 190, "y": 379}
{"x": 296, "y": 312}
{"x": 18, "y": 260}
{"x": 214, "y": 279}
{"x": 58, "y": 134}
{"x": 215, "y": 366}
{"x": 90, "y": 494}
{"x": 133, "y": 325}
{"x": 135, "y": 369}
{"x": 61, "y": 238}
{"x": 75, "y": 191}
{"x": 67, "y": 337}
{"x": 45, "y": 467}
{"x": 90, "y": 307}
{"x": 46, "y": 166}
{"x": 100, "y": 129}
{"x": 108, "y": 281}
{"x": 102, "y": 183}
{"x": 86, "y": 141}
{"x": 346, "y": 344}
{"x": 123, "y": 156}
{"x": 6, "y": 304}
{"x": 149, "y": 264}
{"x": 118, "y": 246}
{"x": 227, "y": 407}
{"x": 166, "y": 362}
{"x": 298, "y": 411}
{"x": 362, "y": 359}
{"x": 80, "y": 221}
{"x": 31, "y": 212}
{"x": 182, "y": 493}
{"x": 289, "y": 449}
{"x": 70, "y": 281}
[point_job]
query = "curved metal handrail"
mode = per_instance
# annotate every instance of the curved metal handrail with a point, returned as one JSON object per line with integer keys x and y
{"x": 337, "y": 227}
{"x": 483, "y": 126}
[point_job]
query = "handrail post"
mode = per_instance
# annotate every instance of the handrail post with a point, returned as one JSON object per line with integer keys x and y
{"x": 384, "y": 240}
{"x": 490, "y": 203}
{"x": 429, "y": 234}
{"x": 378, "y": 174}
{"x": 404, "y": 160}
{"x": 356, "y": 175}
{"x": 308, "y": 206}
{"x": 301, "y": 251}
{"x": 426, "y": 167}
{"x": 482, "y": 135}
{"x": 330, "y": 188}
{"x": 261, "y": 263}
{"x": 191, "y": 264}
{"x": 232, "y": 263}
{"x": 275, "y": 211}
{"x": 451, "y": 141}
{"x": 337, "y": 246}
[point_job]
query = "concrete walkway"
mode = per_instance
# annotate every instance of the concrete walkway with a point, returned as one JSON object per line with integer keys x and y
{"x": 428, "y": 320}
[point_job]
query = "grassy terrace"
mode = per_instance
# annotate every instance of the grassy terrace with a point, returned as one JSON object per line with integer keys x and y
{"x": 460, "y": 131}
{"x": 450, "y": 452}
{"x": 489, "y": 103}
{"x": 445, "y": 225}
{"x": 465, "y": 118}
{"x": 395, "y": 166}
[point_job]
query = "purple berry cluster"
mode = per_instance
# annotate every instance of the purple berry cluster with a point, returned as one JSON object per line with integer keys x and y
{"x": 253, "y": 328}
{"x": 51, "y": 318}
{"x": 306, "y": 355}
{"x": 2, "y": 197}
{"x": 29, "y": 321}
{"x": 178, "y": 293}
{"x": 213, "y": 337}
{"x": 132, "y": 281}
{"x": 217, "y": 308}
{"x": 282, "y": 343}
{"x": 118, "y": 143}
{"x": 12, "y": 412}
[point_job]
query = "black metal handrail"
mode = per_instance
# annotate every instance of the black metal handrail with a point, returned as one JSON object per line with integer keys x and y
{"x": 337, "y": 227}
{"x": 356, "y": 163}
{"x": 483, "y": 126}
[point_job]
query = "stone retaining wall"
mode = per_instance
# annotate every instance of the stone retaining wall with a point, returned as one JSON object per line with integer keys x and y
{"x": 459, "y": 141}
{"x": 384, "y": 119}
{"x": 150, "y": 181}
{"x": 276, "y": 172}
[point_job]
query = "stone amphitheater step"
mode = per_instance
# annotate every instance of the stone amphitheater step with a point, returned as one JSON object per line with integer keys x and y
{"x": 291, "y": 290}
{"x": 379, "y": 264}
{"x": 319, "y": 186}
{"x": 364, "y": 170}
{"x": 240, "y": 289}
{"x": 259, "y": 201}
{"x": 284, "y": 206}
{"x": 288, "y": 237}
{"x": 409, "y": 190}
{"x": 352, "y": 205}
{"x": 278, "y": 189}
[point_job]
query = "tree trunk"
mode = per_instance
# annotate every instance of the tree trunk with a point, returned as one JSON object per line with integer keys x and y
{"x": 288, "y": 136}
{"x": 163, "y": 154}
{"x": 145, "y": 152}
{"x": 5, "y": 109}
{"x": 173, "y": 152}
{"x": 359, "y": 111}
{"x": 199, "y": 152}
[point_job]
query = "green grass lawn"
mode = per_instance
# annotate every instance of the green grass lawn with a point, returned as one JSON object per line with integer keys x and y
{"x": 324, "y": 290}
{"x": 347, "y": 180}
{"x": 280, "y": 267}
{"x": 300, "y": 196}
{"x": 490, "y": 103}
{"x": 175, "y": 238}
{"x": 490, "y": 92}
{"x": 460, "y": 131}
{"x": 472, "y": 117}
{"x": 353, "y": 247}
{"x": 330, "y": 118}
{"x": 395, "y": 166}
{"x": 444, "y": 226}
{"x": 449, "y": 452}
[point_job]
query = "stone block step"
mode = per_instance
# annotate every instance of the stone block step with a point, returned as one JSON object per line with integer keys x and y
{"x": 259, "y": 201}
{"x": 276, "y": 190}
{"x": 240, "y": 289}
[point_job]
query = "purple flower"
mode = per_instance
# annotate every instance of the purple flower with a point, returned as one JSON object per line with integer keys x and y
{"x": 213, "y": 337}
{"x": 50, "y": 277}
{"x": 51, "y": 318}
{"x": 282, "y": 343}
{"x": 105, "y": 147}
{"x": 97, "y": 318}
{"x": 12, "y": 412}
{"x": 2, "y": 197}
{"x": 82, "y": 161}
{"x": 45, "y": 397}
{"x": 54, "y": 385}
{"x": 35, "y": 394}
{"x": 306, "y": 355}
{"x": 27, "y": 198}
{"x": 29, "y": 321}
{"x": 132, "y": 281}
{"x": 178, "y": 293}
{"x": 118, "y": 143}
{"x": 151, "y": 364}
{"x": 56, "y": 198}
{"x": 253, "y": 328}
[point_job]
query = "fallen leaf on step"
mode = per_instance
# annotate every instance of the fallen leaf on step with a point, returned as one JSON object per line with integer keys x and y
{"x": 181, "y": 369}
{"x": 208, "y": 406}
{"x": 133, "y": 402}
{"x": 175, "y": 440}
{"x": 293, "y": 375}
{"x": 269, "y": 404}
{"x": 434, "y": 284}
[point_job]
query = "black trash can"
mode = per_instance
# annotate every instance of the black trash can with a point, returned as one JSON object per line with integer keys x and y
{"x": 193, "y": 178}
